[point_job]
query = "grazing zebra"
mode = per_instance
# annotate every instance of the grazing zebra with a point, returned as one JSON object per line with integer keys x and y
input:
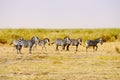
{"x": 76, "y": 42}
{"x": 43, "y": 42}
{"x": 29, "y": 43}
{"x": 62, "y": 42}
{"x": 93, "y": 43}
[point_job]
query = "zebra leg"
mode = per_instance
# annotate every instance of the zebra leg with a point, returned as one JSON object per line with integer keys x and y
{"x": 35, "y": 47}
{"x": 42, "y": 48}
{"x": 86, "y": 48}
{"x": 56, "y": 47}
{"x": 63, "y": 47}
{"x": 96, "y": 47}
{"x": 67, "y": 47}
{"x": 76, "y": 48}
{"x": 17, "y": 49}
{"x": 30, "y": 49}
{"x": 20, "y": 49}
{"x": 45, "y": 48}
{"x": 93, "y": 48}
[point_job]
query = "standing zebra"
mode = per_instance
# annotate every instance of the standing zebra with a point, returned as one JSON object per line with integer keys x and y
{"x": 43, "y": 42}
{"x": 29, "y": 43}
{"x": 15, "y": 42}
{"x": 17, "y": 45}
{"x": 76, "y": 42}
{"x": 62, "y": 42}
{"x": 93, "y": 43}
{"x": 18, "y": 48}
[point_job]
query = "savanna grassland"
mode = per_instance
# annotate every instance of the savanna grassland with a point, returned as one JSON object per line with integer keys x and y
{"x": 7, "y": 35}
{"x": 103, "y": 64}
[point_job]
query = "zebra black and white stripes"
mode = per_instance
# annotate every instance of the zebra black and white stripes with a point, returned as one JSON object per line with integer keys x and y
{"x": 93, "y": 43}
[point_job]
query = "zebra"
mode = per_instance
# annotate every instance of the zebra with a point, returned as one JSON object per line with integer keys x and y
{"x": 76, "y": 42}
{"x": 94, "y": 43}
{"x": 29, "y": 43}
{"x": 43, "y": 42}
{"x": 17, "y": 45}
{"x": 18, "y": 48}
{"x": 62, "y": 42}
{"x": 15, "y": 42}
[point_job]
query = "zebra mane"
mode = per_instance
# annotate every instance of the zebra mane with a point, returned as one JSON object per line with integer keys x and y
{"x": 46, "y": 39}
{"x": 21, "y": 38}
{"x": 34, "y": 37}
{"x": 66, "y": 37}
{"x": 98, "y": 39}
{"x": 79, "y": 38}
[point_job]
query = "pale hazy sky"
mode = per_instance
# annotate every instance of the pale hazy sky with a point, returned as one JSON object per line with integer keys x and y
{"x": 60, "y": 13}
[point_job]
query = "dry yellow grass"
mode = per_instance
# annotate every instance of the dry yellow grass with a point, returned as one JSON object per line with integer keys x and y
{"x": 7, "y": 35}
{"x": 51, "y": 65}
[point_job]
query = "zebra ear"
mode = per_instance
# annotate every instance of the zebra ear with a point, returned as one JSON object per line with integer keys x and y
{"x": 101, "y": 39}
{"x": 21, "y": 38}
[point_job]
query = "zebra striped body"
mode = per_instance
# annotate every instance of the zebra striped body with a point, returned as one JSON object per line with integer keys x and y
{"x": 76, "y": 42}
{"x": 43, "y": 42}
{"x": 93, "y": 43}
{"x": 17, "y": 45}
{"x": 29, "y": 43}
{"x": 62, "y": 42}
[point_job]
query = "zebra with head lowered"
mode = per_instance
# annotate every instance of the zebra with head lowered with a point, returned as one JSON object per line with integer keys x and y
{"x": 43, "y": 42}
{"x": 76, "y": 42}
{"x": 93, "y": 43}
{"x": 62, "y": 42}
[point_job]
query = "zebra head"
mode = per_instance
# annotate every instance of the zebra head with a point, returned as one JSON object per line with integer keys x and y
{"x": 101, "y": 41}
{"x": 67, "y": 40}
{"x": 36, "y": 39}
{"x": 47, "y": 40}
{"x": 21, "y": 38}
